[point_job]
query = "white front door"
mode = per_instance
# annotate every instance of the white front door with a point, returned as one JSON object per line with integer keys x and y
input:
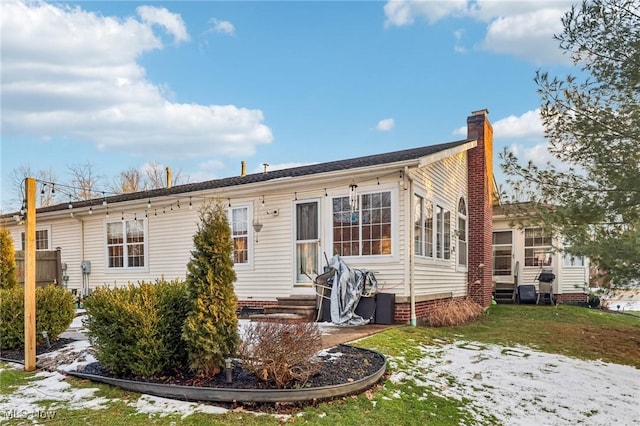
{"x": 307, "y": 242}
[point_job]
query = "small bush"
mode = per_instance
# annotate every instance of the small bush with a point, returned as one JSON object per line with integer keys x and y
{"x": 8, "y": 268}
{"x": 282, "y": 354}
{"x": 55, "y": 311}
{"x": 136, "y": 330}
{"x": 453, "y": 313}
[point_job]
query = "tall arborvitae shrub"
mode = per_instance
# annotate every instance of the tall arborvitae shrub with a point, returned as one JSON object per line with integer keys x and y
{"x": 211, "y": 329}
{"x": 8, "y": 274}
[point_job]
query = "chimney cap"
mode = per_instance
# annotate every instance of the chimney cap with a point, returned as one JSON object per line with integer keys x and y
{"x": 483, "y": 111}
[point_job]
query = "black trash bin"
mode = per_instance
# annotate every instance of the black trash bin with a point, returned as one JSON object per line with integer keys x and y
{"x": 367, "y": 308}
{"x": 385, "y": 308}
{"x": 527, "y": 294}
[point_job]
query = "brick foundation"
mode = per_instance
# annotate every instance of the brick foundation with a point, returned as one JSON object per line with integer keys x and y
{"x": 572, "y": 298}
{"x": 402, "y": 314}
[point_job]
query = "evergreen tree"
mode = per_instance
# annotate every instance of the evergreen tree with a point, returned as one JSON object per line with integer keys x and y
{"x": 592, "y": 123}
{"x": 211, "y": 329}
{"x": 8, "y": 273}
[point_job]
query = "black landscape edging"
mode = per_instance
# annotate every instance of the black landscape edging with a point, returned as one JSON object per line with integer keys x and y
{"x": 198, "y": 393}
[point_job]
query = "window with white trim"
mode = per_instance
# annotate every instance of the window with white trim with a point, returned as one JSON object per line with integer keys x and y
{"x": 126, "y": 244}
{"x": 423, "y": 226}
{"x": 42, "y": 239}
{"x": 443, "y": 233}
{"x": 462, "y": 232}
{"x": 364, "y": 230}
{"x": 572, "y": 260}
{"x": 239, "y": 218}
{"x": 537, "y": 247}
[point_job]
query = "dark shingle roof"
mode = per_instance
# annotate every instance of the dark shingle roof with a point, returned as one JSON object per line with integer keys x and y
{"x": 332, "y": 166}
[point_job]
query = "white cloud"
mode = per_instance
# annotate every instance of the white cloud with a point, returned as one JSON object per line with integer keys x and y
{"x": 458, "y": 47}
{"x": 171, "y": 22}
{"x": 69, "y": 73}
{"x": 527, "y": 126}
{"x": 403, "y": 12}
{"x": 521, "y": 28}
{"x": 224, "y": 27}
{"x": 538, "y": 154}
{"x": 529, "y": 36}
{"x": 385, "y": 125}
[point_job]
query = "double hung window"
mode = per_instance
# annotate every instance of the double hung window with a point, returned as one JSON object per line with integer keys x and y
{"x": 126, "y": 244}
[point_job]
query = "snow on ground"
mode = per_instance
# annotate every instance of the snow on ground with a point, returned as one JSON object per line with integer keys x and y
{"x": 622, "y": 300}
{"x": 518, "y": 385}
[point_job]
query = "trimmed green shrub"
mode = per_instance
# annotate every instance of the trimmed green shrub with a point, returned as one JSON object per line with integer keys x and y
{"x": 8, "y": 268}
{"x": 136, "y": 330}
{"x": 211, "y": 329}
{"x": 55, "y": 310}
{"x": 11, "y": 318}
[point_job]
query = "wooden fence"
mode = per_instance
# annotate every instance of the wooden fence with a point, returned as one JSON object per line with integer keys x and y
{"x": 48, "y": 267}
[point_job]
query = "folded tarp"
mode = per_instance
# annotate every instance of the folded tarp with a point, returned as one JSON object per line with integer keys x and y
{"x": 348, "y": 286}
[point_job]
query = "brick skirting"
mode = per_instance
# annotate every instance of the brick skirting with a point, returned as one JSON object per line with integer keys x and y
{"x": 402, "y": 312}
{"x": 572, "y": 298}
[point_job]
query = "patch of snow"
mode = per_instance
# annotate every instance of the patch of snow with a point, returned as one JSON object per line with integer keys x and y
{"x": 518, "y": 384}
{"x": 49, "y": 386}
{"x": 149, "y": 404}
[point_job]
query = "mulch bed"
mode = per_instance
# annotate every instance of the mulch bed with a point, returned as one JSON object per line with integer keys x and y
{"x": 352, "y": 364}
{"x": 18, "y": 354}
{"x": 338, "y": 365}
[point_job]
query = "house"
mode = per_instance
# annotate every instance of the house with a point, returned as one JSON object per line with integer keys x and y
{"x": 419, "y": 218}
{"x": 521, "y": 252}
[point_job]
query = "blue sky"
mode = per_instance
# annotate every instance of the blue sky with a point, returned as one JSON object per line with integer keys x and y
{"x": 201, "y": 86}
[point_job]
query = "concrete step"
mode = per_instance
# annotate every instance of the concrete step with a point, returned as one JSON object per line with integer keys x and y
{"x": 282, "y": 318}
{"x": 297, "y": 300}
{"x": 308, "y": 312}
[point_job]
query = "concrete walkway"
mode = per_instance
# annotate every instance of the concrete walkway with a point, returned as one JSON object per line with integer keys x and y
{"x": 336, "y": 335}
{"x": 332, "y": 335}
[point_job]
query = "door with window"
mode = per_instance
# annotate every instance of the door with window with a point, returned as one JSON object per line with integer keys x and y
{"x": 307, "y": 242}
{"x": 503, "y": 256}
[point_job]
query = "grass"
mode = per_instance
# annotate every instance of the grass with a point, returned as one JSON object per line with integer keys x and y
{"x": 572, "y": 331}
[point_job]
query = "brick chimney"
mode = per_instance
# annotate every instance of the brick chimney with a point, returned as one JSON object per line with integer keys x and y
{"x": 480, "y": 207}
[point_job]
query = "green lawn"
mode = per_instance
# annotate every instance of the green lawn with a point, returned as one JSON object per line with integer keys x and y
{"x": 577, "y": 332}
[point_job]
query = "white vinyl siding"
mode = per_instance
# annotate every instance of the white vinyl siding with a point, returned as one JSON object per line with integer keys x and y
{"x": 441, "y": 183}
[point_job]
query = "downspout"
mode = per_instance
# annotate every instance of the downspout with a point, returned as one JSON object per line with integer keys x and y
{"x": 412, "y": 292}
{"x": 79, "y": 219}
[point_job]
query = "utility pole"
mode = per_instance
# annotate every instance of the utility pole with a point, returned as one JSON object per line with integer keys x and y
{"x": 30, "y": 277}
